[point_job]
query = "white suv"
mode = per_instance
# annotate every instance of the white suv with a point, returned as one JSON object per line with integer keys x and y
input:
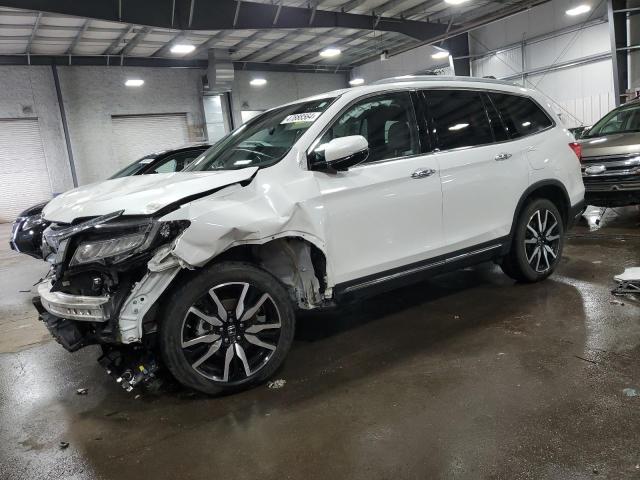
{"x": 329, "y": 198}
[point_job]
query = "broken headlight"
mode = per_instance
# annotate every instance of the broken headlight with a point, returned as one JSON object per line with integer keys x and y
{"x": 131, "y": 240}
{"x": 95, "y": 251}
{"x": 31, "y": 222}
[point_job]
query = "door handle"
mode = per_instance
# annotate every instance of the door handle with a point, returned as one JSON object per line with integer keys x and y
{"x": 423, "y": 173}
{"x": 502, "y": 156}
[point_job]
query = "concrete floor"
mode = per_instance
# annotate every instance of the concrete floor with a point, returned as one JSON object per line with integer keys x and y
{"x": 466, "y": 376}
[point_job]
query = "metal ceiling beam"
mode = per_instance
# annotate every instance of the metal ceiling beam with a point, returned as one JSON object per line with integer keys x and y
{"x": 78, "y": 37}
{"x": 166, "y": 48}
{"x": 116, "y": 43}
{"x": 133, "y": 43}
{"x": 104, "y": 60}
{"x": 221, "y": 15}
{"x": 210, "y": 43}
{"x": 33, "y": 33}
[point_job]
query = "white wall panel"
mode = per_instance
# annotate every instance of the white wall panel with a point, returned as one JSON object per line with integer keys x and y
{"x": 23, "y": 170}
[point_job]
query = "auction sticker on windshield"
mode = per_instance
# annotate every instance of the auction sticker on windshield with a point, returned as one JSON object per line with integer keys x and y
{"x": 301, "y": 117}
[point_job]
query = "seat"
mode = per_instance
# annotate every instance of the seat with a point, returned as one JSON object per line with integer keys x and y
{"x": 399, "y": 139}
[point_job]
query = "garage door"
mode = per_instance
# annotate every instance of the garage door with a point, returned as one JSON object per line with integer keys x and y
{"x": 135, "y": 136}
{"x": 23, "y": 170}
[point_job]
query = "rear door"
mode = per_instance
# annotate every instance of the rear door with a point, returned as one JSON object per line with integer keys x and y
{"x": 482, "y": 175}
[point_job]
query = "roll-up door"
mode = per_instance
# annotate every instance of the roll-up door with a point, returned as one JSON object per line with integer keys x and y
{"x": 24, "y": 178}
{"x": 135, "y": 136}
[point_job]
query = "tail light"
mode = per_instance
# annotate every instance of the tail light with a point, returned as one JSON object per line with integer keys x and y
{"x": 577, "y": 149}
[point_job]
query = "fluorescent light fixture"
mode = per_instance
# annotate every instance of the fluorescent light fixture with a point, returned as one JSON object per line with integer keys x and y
{"x": 402, "y": 77}
{"x": 578, "y": 10}
{"x": 134, "y": 82}
{"x": 526, "y": 124}
{"x": 440, "y": 54}
{"x": 356, "y": 81}
{"x": 458, "y": 126}
{"x": 258, "y": 82}
{"x": 455, "y": 2}
{"x": 330, "y": 52}
{"x": 183, "y": 48}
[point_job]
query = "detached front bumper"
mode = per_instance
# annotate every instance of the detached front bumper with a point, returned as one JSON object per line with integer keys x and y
{"x": 73, "y": 307}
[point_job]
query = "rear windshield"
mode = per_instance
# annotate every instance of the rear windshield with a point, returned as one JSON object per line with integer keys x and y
{"x": 264, "y": 140}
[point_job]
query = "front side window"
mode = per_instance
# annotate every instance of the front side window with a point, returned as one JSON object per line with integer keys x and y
{"x": 458, "y": 118}
{"x": 386, "y": 121}
{"x": 521, "y": 115}
{"x": 263, "y": 140}
{"x": 621, "y": 120}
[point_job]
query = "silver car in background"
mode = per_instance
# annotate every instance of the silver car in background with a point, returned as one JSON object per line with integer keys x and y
{"x": 611, "y": 158}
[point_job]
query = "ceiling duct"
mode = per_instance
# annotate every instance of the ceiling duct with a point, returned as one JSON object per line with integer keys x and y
{"x": 219, "y": 72}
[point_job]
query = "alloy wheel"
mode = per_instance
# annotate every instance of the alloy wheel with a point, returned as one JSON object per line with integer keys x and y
{"x": 542, "y": 240}
{"x": 231, "y": 332}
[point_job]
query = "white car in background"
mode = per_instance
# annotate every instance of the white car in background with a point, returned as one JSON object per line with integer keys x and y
{"x": 333, "y": 197}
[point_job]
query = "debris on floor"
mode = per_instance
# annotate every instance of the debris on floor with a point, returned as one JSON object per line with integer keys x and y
{"x": 82, "y": 391}
{"x": 630, "y": 392}
{"x": 276, "y": 384}
{"x": 63, "y": 445}
{"x": 627, "y": 282}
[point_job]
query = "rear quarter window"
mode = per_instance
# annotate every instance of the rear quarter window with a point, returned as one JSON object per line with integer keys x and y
{"x": 521, "y": 115}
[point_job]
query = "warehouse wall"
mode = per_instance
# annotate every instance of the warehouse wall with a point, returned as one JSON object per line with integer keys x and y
{"x": 93, "y": 94}
{"x": 281, "y": 87}
{"x": 581, "y": 91}
{"x": 28, "y": 92}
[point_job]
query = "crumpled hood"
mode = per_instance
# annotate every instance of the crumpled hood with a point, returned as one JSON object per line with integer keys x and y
{"x": 138, "y": 195}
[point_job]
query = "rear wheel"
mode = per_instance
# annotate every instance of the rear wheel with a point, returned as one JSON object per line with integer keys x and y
{"x": 227, "y": 329}
{"x": 537, "y": 242}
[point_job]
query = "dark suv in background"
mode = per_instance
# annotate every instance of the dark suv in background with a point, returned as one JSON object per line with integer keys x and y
{"x": 611, "y": 158}
{"x": 26, "y": 233}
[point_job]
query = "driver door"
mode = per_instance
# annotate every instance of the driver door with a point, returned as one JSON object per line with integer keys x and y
{"x": 386, "y": 213}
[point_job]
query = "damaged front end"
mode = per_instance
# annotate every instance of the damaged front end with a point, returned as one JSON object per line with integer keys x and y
{"x": 106, "y": 275}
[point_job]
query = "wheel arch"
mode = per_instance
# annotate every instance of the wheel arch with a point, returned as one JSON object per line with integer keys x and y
{"x": 550, "y": 189}
{"x": 300, "y": 264}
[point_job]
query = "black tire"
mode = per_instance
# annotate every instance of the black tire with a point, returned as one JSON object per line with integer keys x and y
{"x": 522, "y": 263}
{"x": 180, "y": 321}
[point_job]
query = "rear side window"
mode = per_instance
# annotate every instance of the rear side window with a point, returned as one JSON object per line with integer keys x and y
{"x": 458, "y": 118}
{"x": 521, "y": 115}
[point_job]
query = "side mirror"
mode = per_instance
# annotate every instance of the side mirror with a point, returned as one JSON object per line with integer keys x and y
{"x": 343, "y": 153}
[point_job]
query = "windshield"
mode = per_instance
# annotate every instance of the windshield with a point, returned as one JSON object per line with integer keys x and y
{"x": 264, "y": 140}
{"x": 134, "y": 168}
{"x": 621, "y": 120}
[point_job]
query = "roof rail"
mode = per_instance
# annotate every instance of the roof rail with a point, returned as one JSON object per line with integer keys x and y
{"x": 440, "y": 78}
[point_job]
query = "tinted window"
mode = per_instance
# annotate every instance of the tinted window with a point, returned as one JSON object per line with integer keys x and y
{"x": 458, "y": 118}
{"x": 386, "y": 121}
{"x": 135, "y": 168}
{"x": 497, "y": 127}
{"x": 521, "y": 115}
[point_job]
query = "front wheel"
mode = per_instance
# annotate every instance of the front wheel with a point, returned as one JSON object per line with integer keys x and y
{"x": 537, "y": 242}
{"x": 228, "y": 328}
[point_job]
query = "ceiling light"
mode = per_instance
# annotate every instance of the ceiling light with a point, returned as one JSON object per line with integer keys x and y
{"x": 330, "y": 52}
{"x": 578, "y": 10}
{"x": 182, "y": 48}
{"x": 356, "y": 81}
{"x": 134, "y": 82}
{"x": 455, "y": 2}
{"x": 440, "y": 54}
{"x": 458, "y": 126}
{"x": 258, "y": 82}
